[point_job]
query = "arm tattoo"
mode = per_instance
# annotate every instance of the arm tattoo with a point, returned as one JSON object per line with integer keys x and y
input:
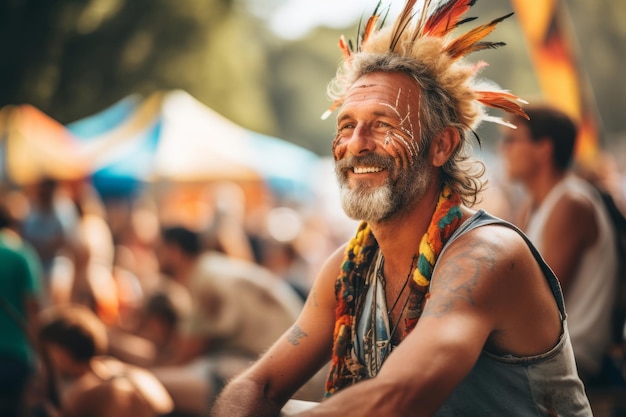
{"x": 312, "y": 299}
{"x": 295, "y": 335}
{"x": 457, "y": 278}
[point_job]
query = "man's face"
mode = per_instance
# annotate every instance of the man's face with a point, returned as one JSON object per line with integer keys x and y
{"x": 518, "y": 150}
{"x": 380, "y": 163}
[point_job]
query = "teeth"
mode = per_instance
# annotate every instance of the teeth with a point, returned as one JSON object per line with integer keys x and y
{"x": 365, "y": 170}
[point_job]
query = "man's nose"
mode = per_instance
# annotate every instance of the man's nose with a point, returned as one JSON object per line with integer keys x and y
{"x": 362, "y": 141}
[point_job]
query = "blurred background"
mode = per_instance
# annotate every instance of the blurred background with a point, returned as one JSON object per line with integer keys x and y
{"x": 121, "y": 117}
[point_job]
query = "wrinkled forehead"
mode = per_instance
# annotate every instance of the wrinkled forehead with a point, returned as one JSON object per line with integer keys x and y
{"x": 394, "y": 89}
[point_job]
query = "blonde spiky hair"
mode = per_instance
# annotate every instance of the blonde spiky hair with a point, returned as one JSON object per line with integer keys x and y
{"x": 420, "y": 43}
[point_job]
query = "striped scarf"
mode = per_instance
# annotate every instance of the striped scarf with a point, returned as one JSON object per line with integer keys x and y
{"x": 350, "y": 285}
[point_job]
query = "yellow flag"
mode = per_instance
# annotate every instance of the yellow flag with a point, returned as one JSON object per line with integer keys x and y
{"x": 550, "y": 40}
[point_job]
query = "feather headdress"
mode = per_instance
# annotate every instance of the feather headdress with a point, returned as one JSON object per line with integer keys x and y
{"x": 422, "y": 33}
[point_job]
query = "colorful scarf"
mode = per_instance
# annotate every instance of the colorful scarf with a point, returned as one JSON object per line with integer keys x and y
{"x": 350, "y": 285}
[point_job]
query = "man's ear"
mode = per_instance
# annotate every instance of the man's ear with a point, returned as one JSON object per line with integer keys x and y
{"x": 443, "y": 145}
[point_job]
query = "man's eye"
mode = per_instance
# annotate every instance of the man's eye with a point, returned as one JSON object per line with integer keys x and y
{"x": 346, "y": 126}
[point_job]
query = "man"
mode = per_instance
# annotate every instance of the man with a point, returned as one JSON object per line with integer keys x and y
{"x": 567, "y": 221}
{"x": 411, "y": 328}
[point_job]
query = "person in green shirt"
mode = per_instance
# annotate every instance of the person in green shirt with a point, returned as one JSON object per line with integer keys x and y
{"x": 20, "y": 286}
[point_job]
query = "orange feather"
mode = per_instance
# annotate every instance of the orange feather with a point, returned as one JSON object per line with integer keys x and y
{"x": 369, "y": 27}
{"x": 344, "y": 47}
{"x": 502, "y": 100}
{"x": 331, "y": 109}
{"x": 469, "y": 42}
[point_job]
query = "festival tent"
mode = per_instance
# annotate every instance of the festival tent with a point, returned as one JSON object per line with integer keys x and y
{"x": 34, "y": 146}
{"x": 172, "y": 137}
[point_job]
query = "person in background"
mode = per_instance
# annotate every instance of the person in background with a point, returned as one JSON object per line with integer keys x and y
{"x": 283, "y": 259}
{"x": 93, "y": 384}
{"x": 44, "y": 229}
{"x": 568, "y": 222}
{"x": 432, "y": 308}
{"x": 237, "y": 305}
{"x": 91, "y": 249}
{"x": 20, "y": 292}
{"x": 236, "y": 310}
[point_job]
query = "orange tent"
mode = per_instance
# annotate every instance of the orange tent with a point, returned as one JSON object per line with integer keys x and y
{"x": 34, "y": 146}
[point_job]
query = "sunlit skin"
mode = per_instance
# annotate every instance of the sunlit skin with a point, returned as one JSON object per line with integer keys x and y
{"x": 381, "y": 168}
{"x": 380, "y": 113}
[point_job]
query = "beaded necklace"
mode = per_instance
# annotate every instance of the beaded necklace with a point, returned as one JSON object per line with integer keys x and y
{"x": 350, "y": 285}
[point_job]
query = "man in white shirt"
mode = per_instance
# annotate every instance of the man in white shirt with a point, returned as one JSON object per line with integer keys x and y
{"x": 567, "y": 221}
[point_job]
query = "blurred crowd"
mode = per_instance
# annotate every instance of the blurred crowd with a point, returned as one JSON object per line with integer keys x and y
{"x": 187, "y": 284}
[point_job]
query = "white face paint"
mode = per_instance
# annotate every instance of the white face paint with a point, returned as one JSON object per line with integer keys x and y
{"x": 405, "y": 126}
{"x": 380, "y": 166}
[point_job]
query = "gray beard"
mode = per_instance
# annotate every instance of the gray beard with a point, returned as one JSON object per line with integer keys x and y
{"x": 389, "y": 200}
{"x": 362, "y": 203}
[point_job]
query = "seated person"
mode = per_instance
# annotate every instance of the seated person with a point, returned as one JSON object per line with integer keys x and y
{"x": 92, "y": 384}
{"x": 237, "y": 309}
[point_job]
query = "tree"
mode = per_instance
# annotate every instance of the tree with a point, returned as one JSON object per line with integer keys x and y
{"x": 72, "y": 58}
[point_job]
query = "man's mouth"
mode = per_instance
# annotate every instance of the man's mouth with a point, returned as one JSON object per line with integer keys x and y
{"x": 366, "y": 170}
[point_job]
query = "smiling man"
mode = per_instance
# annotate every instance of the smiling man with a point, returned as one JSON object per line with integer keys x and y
{"x": 432, "y": 308}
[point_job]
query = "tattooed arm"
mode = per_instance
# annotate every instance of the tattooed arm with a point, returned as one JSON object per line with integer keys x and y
{"x": 487, "y": 293}
{"x": 264, "y": 388}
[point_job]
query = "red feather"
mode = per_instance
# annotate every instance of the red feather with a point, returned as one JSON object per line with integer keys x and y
{"x": 446, "y": 17}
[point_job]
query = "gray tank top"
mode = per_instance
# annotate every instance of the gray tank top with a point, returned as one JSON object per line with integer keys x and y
{"x": 510, "y": 386}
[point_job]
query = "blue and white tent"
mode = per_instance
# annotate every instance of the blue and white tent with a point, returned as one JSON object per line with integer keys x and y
{"x": 173, "y": 137}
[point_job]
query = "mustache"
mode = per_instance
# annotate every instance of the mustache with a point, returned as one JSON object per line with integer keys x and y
{"x": 347, "y": 164}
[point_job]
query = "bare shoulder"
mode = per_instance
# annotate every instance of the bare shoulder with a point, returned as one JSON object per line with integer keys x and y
{"x": 573, "y": 208}
{"x": 471, "y": 268}
{"x": 574, "y": 204}
{"x": 476, "y": 269}
{"x": 335, "y": 259}
{"x": 319, "y": 306}
{"x": 322, "y": 292}
{"x": 491, "y": 273}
